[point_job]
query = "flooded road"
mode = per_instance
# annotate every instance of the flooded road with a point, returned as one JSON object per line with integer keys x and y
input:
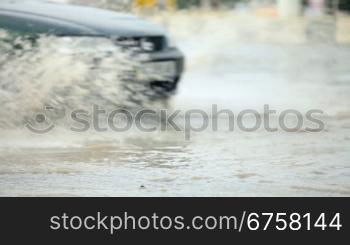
{"x": 220, "y": 164}
{"x": 235, "y": 72}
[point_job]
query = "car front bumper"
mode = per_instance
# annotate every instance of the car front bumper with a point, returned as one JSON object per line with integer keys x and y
{"x": 169, "y": 85}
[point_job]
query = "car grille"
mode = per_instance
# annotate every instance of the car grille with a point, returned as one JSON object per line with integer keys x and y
{"x": 147, "y": 44}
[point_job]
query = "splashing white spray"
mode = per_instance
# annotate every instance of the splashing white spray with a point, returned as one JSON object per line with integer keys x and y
{"x": 69, "y": 73}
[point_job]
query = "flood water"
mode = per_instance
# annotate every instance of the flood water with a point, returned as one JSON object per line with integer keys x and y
{"x": 236, "y": 69}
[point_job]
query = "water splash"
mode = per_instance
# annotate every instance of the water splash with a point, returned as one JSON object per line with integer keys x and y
{"x": 68, "y": 73}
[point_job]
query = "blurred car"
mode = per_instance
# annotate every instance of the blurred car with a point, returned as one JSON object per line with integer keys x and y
{"x": 63, "y": 20}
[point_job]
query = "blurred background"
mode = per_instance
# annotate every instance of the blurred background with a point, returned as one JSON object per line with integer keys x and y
{"x": 270, "y": 7}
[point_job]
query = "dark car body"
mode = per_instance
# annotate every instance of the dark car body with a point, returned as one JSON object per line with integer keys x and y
{"x": 72, "y": 20}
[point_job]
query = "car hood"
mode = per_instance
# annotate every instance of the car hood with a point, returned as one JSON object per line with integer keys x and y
{"x": 126, "y": 27}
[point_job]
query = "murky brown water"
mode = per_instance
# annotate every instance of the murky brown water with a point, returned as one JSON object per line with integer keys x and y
{"x": 212, "y": 164}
